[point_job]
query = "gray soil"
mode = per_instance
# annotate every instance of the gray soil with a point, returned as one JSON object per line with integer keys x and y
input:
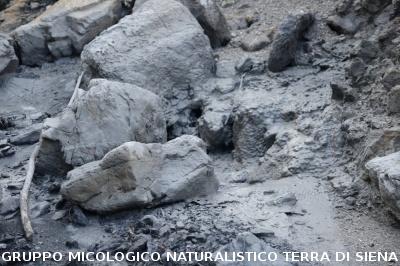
{"x": 304, "y": 211}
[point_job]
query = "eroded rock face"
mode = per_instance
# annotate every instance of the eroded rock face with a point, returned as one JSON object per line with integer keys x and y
{"x": 285, "y": 43}
{"x": 106, "y": 116}
{"x": 136, "y": 175}
{"x": 8, "y": 60}
{"x": 64, "y": 28}
{"x": 385, "y": 172}
{"x": 156, "y": 50}
{"x": 211, "y": 20}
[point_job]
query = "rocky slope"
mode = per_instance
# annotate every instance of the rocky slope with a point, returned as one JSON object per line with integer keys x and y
{"x": 295, "y": 102}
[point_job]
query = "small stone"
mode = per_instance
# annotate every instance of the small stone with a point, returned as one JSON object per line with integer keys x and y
{"x": 17, "y": 165}
{"x": 179, "y": 224}
{"x": 343, "y": 92}
{"x": 269, "y": 192}
{"x": 72, "y": 244}
{"x": 59, "y": 215}
{"x": 5, "y": 175}
{"x": 3, "y": 143}
{"x": 165, "y": 230}
{"x": 34, "y": 5}
{"x": 140, "y": 244}
{"x": 9, "y": 205}
{"x": 225, "y": 69}
{"x": 262, "y": 232}
{"x": 350, "y": 201}
{"x": 55, "y": 187}
{"x": 149, "y": 224}
{"x": 60, "y": 203}
{"x": 244, "y": 65}
{"x": 255, "y": 42}
{"x": 391, "y": 78}
{"x": 14, "y": 186}
{"x": 30, "y": 137}
{"x": 367, "y": 50}
{"x": 393, "y": 102}
{"x": 343, "y": 25}
{"x": 40, "y": 209}
{"x": 78, "y": 217}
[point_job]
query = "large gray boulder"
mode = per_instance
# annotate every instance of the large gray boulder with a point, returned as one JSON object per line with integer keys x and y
{"x": 106, "y": 116}
{"x": 285, "y": 43}
{"x": 136, "y": 175}
{"x": 8, "y": 60}
{"x": 160, "y": 47}
{"x": 64, "y": 28}
{"x": 211, "y": 20}
{"x": 385, "y": 173}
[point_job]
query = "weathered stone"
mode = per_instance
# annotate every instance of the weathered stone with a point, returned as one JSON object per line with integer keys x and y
{"x": 9, "y": 205}
{"x": 136, "y": 175}
{"x": 30, "y": 137}
{"x": 215, "y": 125}
{"x": 156, "y": 50}
{"x": 341, "y": 183}
{"x": 367, "y": 50}
{"x": 41, "y": 208}
{"x": 225, "y": 69}
{"x": 384, "y": 171}
{"x": 64, "y": 28}
{"x": 254, "y": 42}
{"x": 106, "y": 116}
{"x": 357, "y": 70}
{"x": 78, "y": 217}
{"x": 8, "y": 60}
{"x": 391, "y": 78}
{"x": 270, "y": 169}
{"x": 244, "y": 65}
{"x": 343, "y": 92}
{"x": 393, "y": 104}
{"x": 211, "y": 20}
{"x": 355, "y": 130}
{"x": 343, "y": 25}
{"x": 285, "y": 43}
{"x": 380, "y": 143}
{"x": 248, "y": 131}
